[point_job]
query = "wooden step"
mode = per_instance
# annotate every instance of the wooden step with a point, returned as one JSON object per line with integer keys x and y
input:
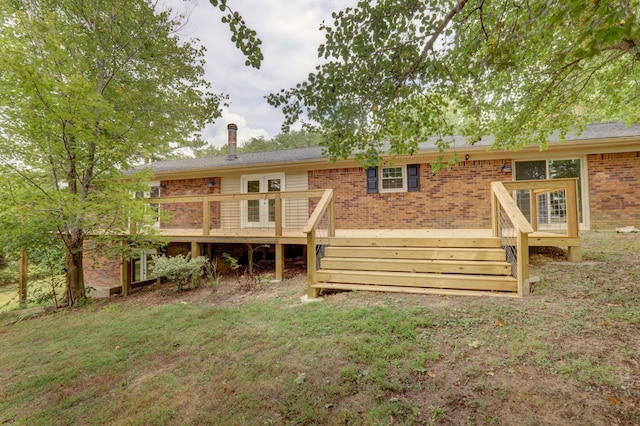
{"x": 424, "y": 253}
{"x": 470, "y": 242}
{"x": 408, "y": 279}
{"x": 411, "y": 290}
{"x": 411, "y": 265}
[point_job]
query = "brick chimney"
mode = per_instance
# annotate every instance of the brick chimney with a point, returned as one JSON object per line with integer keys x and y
{"x": 232, "y": 130}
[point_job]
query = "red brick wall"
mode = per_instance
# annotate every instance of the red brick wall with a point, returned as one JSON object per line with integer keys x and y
{"x": 614, "y": 189}
{"x": 99, "y": 269}
{"x": 189, "y": 215}
{"x": 456, "y": 198}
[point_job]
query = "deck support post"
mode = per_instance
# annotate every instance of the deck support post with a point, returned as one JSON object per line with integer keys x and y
{"x": 574, "y": 254}
{"x": 22, "y": 294}
{"x": 278, "y": 210}
{"x": 312, "y": 293}
{"x": 195, "y": 249}
{"x": 523, "y": 264}
{"x": 250, "y": 257}
{"x": 279, "y": 261}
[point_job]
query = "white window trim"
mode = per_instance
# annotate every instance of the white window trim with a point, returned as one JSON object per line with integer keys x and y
{"x": 404, "y": 179}
{"x": 144, "y": 266}
{"x": 584, "y": 179}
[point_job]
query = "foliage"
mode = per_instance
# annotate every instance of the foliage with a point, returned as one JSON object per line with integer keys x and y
{"x": 232, "y": 261}
{"x": 290, "y": 140}
{"x": 179, "y": 269}
{"x": 87, "y": 88}
{"x": 245, "y": 38}
{"x": 398, "y": 72}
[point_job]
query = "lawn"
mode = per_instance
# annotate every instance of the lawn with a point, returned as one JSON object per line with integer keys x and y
{"x": 248, "y": 352}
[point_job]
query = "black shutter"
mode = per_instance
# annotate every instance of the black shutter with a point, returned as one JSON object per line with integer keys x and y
{"x": 413, "y": 177}
{"x": 372, "y": 180}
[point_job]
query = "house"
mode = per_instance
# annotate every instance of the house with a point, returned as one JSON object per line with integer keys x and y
{"x": 249, "y": 198}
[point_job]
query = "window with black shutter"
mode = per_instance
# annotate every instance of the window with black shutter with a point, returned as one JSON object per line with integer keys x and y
{"x": 372, "y": 180}
{"x": 413, "y": 177}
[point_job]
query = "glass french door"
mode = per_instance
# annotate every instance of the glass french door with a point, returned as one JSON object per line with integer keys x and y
{"x": 260, "y": 213}
{"x": 143, "y": 266}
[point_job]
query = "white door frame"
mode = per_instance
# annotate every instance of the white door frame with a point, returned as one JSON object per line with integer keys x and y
{"x": 263, "y": 212}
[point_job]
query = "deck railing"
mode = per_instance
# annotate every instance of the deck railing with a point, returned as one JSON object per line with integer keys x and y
{"x": 513, "y": 229}
{"x": 252, "y": 214}
{"x": 520, "y": 208}
{"x": 319, "y": 228}
{"x": 551, "y": 205}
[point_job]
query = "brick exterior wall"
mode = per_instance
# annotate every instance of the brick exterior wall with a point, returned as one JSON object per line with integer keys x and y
{"x": 455, "y": 198}
{"x": 99, "y": 269}
{"x": 189, "y": 215}
{"x": 614, "y": 189}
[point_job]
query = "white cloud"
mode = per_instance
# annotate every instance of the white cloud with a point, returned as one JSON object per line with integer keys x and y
{"x": 216, "y": 133}
{"x": 290, "y": 37}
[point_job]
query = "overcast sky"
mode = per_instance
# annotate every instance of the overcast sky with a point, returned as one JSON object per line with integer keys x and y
{"x": 289, "y": 30}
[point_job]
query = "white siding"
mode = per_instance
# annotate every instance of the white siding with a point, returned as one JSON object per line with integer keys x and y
{"x": 297, "y": 209}
{"x": 230, "y": 210}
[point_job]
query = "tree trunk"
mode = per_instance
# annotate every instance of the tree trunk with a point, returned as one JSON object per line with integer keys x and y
{"x": 75, "y": 276}
{"x": 22, "y": 285}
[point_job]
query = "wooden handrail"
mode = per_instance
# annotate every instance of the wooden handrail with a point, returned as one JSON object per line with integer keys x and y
{"x": 320, "y": 209}
{"x": 277, "y": 196}
{"x": 238, "y": 196}
{"x": 510, "y": 207}
{"x": 325, "y": 203}
{"x": 538, "y": 183}
{"x": 539, "y": 187}
{"x": 501, "y": 197}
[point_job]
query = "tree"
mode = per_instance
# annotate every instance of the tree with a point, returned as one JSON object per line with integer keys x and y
{"x": 400, "y": 71}
{"x": 88, "y": 86}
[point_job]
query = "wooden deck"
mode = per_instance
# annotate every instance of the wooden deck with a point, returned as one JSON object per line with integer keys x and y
{"x": 268, "y": 236}
{"x": 444, "y": 261}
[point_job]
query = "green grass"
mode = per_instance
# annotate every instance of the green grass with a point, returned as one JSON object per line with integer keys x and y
{"x": 568, "y": 354}
{"x": 38, "y": 288}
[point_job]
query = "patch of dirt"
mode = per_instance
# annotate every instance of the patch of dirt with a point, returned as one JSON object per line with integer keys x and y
{"x": 232, "y": 290}
{"x": 545, "y": 255}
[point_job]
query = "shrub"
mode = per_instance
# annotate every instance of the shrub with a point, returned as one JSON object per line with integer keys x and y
{"x": 179, "y": 269}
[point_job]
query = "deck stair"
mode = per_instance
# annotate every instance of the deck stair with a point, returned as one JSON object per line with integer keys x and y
{"x": 442, "y": 265}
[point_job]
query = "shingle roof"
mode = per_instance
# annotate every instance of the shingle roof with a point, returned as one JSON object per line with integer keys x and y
{"x": 284, "y": 156}
{"x": 593, "y": 131}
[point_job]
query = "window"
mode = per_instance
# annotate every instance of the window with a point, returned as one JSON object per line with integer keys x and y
{"x": 551, "y": 206}
{"x": 393, "y": 179}
{"x": 153, "y": 192}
